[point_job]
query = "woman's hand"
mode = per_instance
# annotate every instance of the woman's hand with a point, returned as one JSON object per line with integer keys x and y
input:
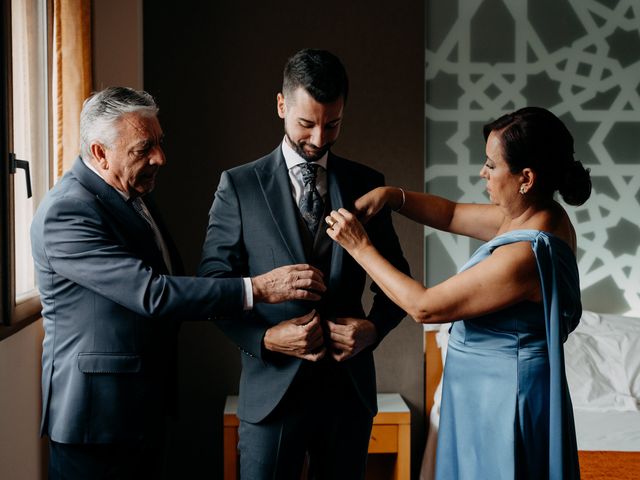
{"x": 372, "y": 202}
{"x": 345, "y": 229}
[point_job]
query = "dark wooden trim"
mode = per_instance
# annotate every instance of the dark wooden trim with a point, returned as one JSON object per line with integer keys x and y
{"x": 25, "y": 313}
{"x": 7, "y": 331}
{"x": 6, "y": 261}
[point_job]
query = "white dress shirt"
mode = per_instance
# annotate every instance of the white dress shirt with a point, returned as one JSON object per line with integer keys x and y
{"x": 294, "y": 161}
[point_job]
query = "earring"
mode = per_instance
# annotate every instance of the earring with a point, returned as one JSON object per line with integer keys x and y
{"x": 522, "y": 190}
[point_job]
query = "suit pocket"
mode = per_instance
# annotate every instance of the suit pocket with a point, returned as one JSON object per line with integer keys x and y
{"x": 109, "y": 363}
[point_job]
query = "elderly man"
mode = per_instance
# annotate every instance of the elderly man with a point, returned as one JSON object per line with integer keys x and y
{"x": 111, "y": 306}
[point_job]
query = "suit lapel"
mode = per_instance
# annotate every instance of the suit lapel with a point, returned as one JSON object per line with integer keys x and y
{"x": 137, "y": 233}
{"x": 276, "y": 188}
{"x": 336, "y": 184}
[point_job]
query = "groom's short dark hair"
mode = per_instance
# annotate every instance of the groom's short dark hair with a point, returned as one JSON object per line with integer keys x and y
{"x": 319, "y": 72}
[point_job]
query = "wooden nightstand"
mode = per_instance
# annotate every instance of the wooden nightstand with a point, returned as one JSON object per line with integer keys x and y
{"x": 391, "y": 434}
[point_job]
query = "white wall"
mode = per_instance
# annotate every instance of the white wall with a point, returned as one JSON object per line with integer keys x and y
{"x": 21, "y": 449}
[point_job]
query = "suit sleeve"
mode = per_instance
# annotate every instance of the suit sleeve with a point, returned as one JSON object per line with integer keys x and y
{"x": 385, "y": 314}
{"x": 224, "y": 255}
{"x": 81, "y": 247}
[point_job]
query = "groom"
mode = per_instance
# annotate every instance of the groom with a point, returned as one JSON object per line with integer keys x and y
{"x": 308, "y": 379}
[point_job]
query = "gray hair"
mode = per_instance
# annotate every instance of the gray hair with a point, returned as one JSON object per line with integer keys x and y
{"x": 102, "y": 110}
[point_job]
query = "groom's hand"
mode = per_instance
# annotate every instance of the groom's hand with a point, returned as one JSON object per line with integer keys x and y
{"x": 349, "y": 336}
{"x": 298, "y": 337}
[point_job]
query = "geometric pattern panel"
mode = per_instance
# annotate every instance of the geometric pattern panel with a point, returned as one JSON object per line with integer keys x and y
{"x": 581, "y": 60}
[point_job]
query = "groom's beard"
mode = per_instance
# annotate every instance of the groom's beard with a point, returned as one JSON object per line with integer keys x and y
{"x": 312, "y": 153}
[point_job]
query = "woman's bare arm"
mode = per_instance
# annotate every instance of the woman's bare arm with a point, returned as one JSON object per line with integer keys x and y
{"x": 480, "y": 221}
{"x": 507, "y": 277}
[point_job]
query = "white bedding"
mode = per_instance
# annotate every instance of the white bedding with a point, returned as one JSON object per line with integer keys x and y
{"x": 602, "y": 359}
{"x": 615, "y": 431}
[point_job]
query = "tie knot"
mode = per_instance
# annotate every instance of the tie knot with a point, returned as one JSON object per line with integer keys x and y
{"x": 136, "y": 203}
{"x": 309, "y": 172}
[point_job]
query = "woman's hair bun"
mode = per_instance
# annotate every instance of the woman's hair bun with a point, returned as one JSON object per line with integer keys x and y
{"x": 575, "y": 184}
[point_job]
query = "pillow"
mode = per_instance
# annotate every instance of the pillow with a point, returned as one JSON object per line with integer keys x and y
{"x": 631, "y": 357}
{"x": 628, "y": 329}
{"x": 602, "y": 361}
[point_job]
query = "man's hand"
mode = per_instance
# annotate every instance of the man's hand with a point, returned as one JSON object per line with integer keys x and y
{"x": 349, "y": 336}
{"x": 298, "y": 337}
{"x": 291, "y": 282}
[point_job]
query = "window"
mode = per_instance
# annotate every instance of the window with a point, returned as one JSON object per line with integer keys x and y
{"x": 26, "y": 147}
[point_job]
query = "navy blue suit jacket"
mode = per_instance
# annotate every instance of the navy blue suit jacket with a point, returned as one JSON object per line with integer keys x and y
{"x": 253, "y": 228}
{"x": 110, "y": 314}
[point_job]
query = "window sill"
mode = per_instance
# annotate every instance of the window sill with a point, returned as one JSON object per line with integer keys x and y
{"x": 26, "y": 313}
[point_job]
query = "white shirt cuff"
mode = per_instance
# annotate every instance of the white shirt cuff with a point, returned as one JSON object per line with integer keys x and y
{"x": 247, "y": 298}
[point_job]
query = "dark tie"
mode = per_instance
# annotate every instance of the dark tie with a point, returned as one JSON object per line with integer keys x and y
{"x": 141, "y": 209}
{"x": 311, "y": 205}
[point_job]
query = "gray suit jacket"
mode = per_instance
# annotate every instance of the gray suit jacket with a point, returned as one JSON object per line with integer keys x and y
{"x": 110, "y": 314}
{"x": 253, "y": 228}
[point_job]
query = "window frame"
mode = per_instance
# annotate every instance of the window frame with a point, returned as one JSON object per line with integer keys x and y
{"x": 14, "y": 316}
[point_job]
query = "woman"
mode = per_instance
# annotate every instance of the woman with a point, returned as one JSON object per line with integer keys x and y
{"x": 506, "y": 411}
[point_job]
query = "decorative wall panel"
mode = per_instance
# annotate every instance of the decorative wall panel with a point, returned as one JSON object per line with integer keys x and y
{"x": 581, "y": 60}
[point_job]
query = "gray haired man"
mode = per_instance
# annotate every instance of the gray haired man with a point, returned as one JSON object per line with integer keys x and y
{"x": 112, "y": 302}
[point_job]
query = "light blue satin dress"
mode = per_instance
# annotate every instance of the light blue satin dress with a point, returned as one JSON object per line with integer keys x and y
{"x": 506, "y": 411}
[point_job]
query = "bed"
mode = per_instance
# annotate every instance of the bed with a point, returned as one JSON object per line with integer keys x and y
{"x": 602, "y": 359}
